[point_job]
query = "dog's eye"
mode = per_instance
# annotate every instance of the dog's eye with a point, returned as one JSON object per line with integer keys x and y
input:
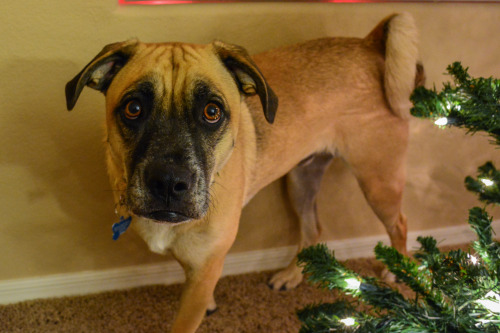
{"x": 133, "y": 110}
{"x": 212, "y": 113}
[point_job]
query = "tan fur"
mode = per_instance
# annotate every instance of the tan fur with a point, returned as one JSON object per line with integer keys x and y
{"x": 343, "y": 97}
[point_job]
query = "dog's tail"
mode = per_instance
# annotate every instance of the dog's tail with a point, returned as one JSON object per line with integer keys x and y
{"x": 397, "y": 38}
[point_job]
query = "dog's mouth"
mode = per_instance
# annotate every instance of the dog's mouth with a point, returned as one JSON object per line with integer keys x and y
{"x": 166, "y": 216}
{"x": 167, "y": 193}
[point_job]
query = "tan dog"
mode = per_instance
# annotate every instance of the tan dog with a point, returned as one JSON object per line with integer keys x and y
{"x": 188, "y": 146}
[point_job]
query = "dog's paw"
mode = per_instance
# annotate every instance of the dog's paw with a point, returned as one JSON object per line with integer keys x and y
{"x": 286, "y": 279}
{"x": 210, "y": 312}
{"x": 211, "y": 308}
{"x": 387, "y": 276}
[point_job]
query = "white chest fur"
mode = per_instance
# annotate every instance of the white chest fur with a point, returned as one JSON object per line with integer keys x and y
{"x": 158, "y": 236}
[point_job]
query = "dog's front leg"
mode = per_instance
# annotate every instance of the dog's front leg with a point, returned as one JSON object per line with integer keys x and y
{"x": 197, "y": 296}
{"x": 201, "y": 252}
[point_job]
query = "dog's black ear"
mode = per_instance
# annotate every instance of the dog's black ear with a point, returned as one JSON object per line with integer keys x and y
{"x": 100, "y": 71}
{"x": 248, "y": 77}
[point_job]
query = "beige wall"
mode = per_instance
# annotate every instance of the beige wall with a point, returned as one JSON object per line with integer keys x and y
{"x": 56, "y": 205}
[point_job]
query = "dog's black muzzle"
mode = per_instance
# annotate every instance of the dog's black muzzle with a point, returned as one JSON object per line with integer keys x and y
{"x": 170, "y": 190}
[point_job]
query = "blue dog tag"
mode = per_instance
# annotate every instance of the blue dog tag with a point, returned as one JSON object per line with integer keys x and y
{"x": 120, "y": 227}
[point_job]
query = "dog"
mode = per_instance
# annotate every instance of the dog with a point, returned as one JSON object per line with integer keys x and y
{"x": 193, "y": 132}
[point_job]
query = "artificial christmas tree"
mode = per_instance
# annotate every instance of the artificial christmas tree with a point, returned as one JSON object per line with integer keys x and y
{"x": 456, "y": 291}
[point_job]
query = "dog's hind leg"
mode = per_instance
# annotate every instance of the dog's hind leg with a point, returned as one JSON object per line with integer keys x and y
{"x": 384, "y": 193}
{"x": 303, "y": 183}
{"x": 378, "y": 160}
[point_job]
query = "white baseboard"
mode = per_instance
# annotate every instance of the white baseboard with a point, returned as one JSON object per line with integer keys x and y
{"x": 87, "y": 282}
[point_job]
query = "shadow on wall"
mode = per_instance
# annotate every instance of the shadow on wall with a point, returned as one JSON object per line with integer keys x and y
{"x": 56, "y": 206}
{"x": 61, "y": 152}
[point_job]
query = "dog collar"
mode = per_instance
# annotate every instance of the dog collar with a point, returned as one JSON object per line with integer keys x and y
{"x": 120, "y": 227}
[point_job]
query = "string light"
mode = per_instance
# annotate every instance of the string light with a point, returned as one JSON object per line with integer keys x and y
{"x": 448, "y": 105}
{"x": 348, "y": 321}
{"x": 353, "y": 284}
{"x": 472, "y": 259}
{"x": 491, "y": 304}
{"x": 487, "y": 182}
{"x": 441, "y": 121}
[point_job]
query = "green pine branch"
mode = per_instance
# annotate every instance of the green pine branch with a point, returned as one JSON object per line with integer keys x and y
{"x": 455, "y": 286}
{"x": 325, "y": 317}
{"x": 408, "y": 272}
{"x": 455, "y": 291}
{"x": 403, "y": 268}
{"x": 486, "y": 246}
{"x": 322, "y": 269}
{"x": 485, "y": 185}
{"x": 428, "y": 252}
{"x": 471, "y": 103}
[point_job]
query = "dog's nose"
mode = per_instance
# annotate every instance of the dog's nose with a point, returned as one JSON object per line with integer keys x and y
{"x": 168, "y": 182}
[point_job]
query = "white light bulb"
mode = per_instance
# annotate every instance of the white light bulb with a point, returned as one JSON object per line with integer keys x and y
{"x": 441, "y": 121}
{"x": 492, "y": 305}
{"x": 473, "y": 259}
{"x": 348, "y": 321}
{"x": 353, "y": 283}
{"x": 448, "y": 105}
{"x": 487, "y": 182}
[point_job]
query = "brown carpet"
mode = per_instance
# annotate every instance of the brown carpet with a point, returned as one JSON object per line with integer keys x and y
{"x": 246, "y": 304}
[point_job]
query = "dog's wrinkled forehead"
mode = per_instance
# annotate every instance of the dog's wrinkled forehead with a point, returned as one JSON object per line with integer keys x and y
{"x": 174, "y": 71}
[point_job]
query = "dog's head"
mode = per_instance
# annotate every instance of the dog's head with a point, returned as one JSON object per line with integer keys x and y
{"x": 172, "y": 117}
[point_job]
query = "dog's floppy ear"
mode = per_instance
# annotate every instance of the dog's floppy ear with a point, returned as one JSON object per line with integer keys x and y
{"x": 100, "y": 71}
{"x": 249, "y": 78}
